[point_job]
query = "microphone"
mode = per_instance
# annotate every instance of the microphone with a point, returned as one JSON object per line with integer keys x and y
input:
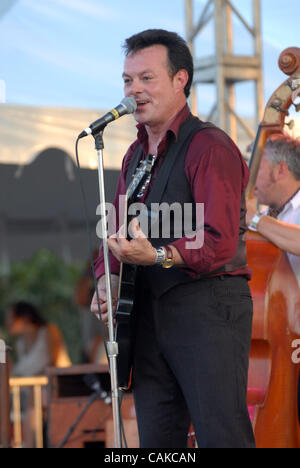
{"x": 127, "y": 106}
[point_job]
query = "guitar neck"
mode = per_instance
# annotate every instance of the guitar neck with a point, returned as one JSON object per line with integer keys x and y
{"x": 125, "y": 224}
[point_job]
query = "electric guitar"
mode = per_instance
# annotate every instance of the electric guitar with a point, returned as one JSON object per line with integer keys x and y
{"x": 127, "y": 283}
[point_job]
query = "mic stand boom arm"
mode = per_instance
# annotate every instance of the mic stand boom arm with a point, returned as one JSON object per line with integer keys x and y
{"x": 112, "y": 345}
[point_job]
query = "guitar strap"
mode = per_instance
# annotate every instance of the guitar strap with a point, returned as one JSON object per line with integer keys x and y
{"x": 186, "y": 133}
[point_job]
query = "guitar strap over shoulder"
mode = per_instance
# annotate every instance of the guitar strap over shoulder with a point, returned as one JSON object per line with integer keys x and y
{"x": 186, "y": 133}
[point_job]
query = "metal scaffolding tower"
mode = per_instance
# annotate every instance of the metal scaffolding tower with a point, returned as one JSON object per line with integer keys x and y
{"x": 225, "y": 69}
{"x": 5, "y": 6}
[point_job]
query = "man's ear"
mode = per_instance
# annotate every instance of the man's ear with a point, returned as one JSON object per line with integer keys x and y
{"x": 181, "y": 79}
{"x": 282, "y": 170}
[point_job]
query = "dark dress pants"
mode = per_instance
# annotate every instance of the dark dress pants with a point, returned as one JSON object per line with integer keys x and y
{"x": 191, "y": 364}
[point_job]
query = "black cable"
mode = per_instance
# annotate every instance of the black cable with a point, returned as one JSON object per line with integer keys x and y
{"x": 89, "y": 403}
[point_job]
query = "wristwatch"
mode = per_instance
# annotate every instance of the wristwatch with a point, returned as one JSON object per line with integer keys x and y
{"x": 164, "y": 257}
{"x": 169, "y": 261}
{"x": 160, "y": 256}
{"x": 253, "y": 226}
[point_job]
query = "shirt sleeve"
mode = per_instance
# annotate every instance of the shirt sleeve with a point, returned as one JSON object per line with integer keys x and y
{"x": 218, "y": 178}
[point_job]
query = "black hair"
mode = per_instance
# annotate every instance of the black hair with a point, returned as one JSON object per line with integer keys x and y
{"x": 179, "y": 54}
{"x": 23, "y": 309}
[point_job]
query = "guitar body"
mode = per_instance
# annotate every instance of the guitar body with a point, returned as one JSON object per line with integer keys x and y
{"x": 125, "y": 306}
{"x": 124, "y": 324}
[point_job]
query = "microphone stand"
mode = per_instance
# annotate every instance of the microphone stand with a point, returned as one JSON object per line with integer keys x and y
{"x": 112, "y": 345}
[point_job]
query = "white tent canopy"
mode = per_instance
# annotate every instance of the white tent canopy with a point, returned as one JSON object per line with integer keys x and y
{"x": 27, "y": 131}
{"x": 39, "y": 193}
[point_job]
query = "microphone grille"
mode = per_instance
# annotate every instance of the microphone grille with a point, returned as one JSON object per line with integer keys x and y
{"x": 130, "y": 104}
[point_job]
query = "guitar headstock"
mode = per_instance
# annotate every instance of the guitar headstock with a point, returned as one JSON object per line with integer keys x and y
{"x": 139, "y": 178}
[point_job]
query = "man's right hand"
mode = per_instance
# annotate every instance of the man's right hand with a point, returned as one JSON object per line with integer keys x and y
{"x": 103, "y": 297}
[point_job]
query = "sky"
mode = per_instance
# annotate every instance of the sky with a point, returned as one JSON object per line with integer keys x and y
{"x": 68, "y": 52}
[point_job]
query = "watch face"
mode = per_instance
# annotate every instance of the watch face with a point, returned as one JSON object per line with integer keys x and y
{"x": 169, "y": 263}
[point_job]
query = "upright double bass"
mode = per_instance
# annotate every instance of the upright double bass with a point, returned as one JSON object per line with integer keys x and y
{"x": 273, "y": 373}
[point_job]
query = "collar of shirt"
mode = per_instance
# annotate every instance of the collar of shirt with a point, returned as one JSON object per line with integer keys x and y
{"x": 291, "y": 208}
{"x": 293, "y": 204}
{"x": 173, "y": 130}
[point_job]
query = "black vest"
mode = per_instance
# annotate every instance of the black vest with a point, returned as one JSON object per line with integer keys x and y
{"x": 172, "y": 186}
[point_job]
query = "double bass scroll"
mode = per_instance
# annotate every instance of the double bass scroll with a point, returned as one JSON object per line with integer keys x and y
{"x": 277, "y": 110}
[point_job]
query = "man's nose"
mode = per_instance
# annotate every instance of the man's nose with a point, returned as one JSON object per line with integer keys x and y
{"x": 135, "y": 88}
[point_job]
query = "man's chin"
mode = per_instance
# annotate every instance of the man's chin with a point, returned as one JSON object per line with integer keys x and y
{"x": 142, "y": 119}
{"x": 259, "y": 197}
{"x": 263, "y": 202}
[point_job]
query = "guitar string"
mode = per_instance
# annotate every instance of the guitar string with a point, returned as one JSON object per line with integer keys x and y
{"x": 148, "y": 180}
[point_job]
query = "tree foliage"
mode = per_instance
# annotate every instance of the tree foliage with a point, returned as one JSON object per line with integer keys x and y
{"x": 49, "y": 283}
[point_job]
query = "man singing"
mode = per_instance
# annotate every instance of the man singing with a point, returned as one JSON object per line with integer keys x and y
{"x": 193, "y": 312}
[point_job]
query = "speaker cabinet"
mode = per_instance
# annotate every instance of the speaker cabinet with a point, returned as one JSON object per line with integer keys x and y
{"x": 69, "y": 392}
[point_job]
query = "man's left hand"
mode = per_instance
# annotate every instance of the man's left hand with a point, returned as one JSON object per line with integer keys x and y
{"x": 138, "y": 251}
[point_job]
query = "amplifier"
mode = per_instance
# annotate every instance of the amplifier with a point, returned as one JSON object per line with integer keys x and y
{"x": 69, "y": 392}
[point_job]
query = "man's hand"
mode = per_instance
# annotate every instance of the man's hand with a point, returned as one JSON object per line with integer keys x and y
{"x": 103, "y": 297}
{"x": 138, "y": 251}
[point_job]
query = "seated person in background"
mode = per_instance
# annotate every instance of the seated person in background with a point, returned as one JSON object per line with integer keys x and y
{"x": 278, "y": 187}
{"x": 38, "y": 346}
{"x": 58, "y": 351}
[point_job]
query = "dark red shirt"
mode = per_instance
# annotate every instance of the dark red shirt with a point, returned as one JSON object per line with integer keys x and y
{"x": 218, "y": 176}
